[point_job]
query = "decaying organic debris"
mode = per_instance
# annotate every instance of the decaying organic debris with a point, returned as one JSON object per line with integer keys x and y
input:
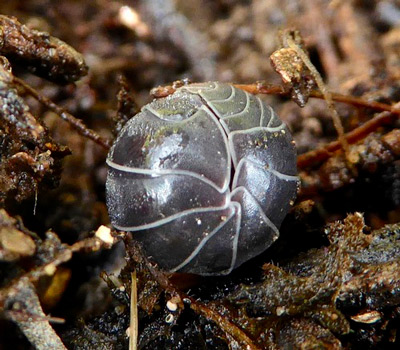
{"x": 367, "y": 158}
{"x": 28, "y": 154}
{"x": 304, "y": 301}
{"x": 330, "y": 282}
{"x": 40, "y": 52}
{"x": 323, "y": 283}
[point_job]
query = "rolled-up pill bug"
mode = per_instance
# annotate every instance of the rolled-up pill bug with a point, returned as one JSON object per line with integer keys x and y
{"x": 204, "y": 178}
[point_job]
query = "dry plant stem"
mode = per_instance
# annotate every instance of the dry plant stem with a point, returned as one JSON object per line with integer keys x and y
{"x": 134, "y": 324}
{"x": 269, "y": 89}
{"x": 74, "y": 122}
{"x": 359, "y": 102}
{"x": 327, "y": 95}
{"x": 261, "y": 88}
{"x": 319, "y": 155}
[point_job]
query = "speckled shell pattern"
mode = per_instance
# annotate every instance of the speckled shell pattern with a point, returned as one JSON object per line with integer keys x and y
{"x": 204, "y": 178}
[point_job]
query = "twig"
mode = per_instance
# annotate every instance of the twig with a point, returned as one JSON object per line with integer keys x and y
{"x": 318, "y": 155}
{"x": 325, "y": 92}
{"x": 356, "y": 101}
{"x": 262, "y": 88}
{"x": 134, "y": 324}
{"x": 269, "y": 89}
{"x": 74, "y": 122}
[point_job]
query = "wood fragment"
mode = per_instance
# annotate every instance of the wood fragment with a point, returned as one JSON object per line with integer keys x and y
{"x": 134, "y": 320}
{"x": 319, "y": 155}
{"x": 77, "y": 124}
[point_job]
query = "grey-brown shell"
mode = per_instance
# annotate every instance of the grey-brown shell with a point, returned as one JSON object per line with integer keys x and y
{"x": 204, "y": 178}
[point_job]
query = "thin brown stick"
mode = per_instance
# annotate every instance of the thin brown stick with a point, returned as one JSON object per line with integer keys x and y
{"x": 318, "y": 155}
{"x": 262, "y": 88}
{"x": 134, "y": 324}
{"x": 77, "y": 124}
{"x": 359, "y": 102}
{"x": 325, "y": 92}
{"x": 269, "y": 89}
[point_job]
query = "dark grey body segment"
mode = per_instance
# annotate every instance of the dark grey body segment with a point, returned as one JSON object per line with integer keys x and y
{"x": 171, "y": 181}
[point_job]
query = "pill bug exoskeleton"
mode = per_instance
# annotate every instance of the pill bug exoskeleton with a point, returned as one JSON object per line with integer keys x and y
{"x": 204, "y": 178}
